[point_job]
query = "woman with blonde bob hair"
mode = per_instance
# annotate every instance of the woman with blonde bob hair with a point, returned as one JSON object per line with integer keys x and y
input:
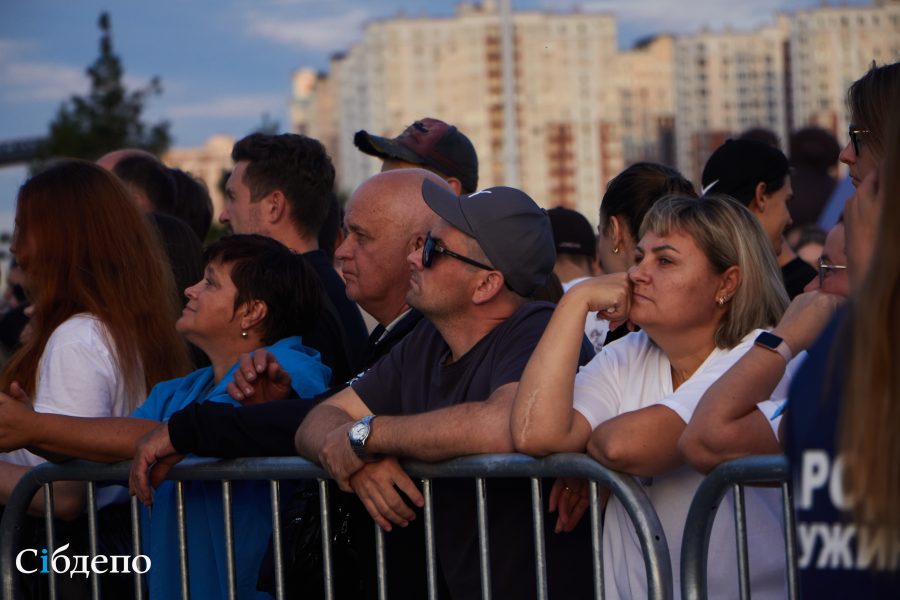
{"x": 705, "y": 284}
{"x": 104, "y": 305}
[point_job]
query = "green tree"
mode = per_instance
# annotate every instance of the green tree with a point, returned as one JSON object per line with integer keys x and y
{"x": 109, "y": 116}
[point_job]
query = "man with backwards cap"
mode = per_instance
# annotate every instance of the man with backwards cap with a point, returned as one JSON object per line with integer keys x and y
{"x": 758, "y": 176}
{"x": 428, "y": 144}
{"x": 446, "y": 390}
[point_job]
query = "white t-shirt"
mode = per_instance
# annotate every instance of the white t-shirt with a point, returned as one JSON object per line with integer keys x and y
{"x": 633, "y": 373}
{"x": 77, "y": 376}
{"x": 595, "y": 328}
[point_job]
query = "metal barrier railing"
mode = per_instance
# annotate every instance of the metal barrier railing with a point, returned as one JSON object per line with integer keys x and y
{"x": 646, "y": 523}
{"x": 751, "y": 470}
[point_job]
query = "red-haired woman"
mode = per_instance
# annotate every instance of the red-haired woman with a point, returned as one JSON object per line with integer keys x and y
{"x": 102, "y": 333}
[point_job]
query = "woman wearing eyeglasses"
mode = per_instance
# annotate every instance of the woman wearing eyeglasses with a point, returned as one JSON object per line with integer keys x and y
{"x": 841, "y": 425}
{"x": 872, "y": 101}
{"x": 704, "y": 287}
{"x": 832, "y": 265}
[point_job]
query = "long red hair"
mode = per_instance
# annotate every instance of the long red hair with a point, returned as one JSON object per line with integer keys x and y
{"x": 86, "y": 248}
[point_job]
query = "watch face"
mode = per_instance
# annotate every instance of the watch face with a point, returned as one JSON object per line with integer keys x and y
{"x": 768, "y": 340}
{"x": 358, "y": 432}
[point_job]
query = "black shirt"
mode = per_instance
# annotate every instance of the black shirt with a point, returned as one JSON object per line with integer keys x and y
{"x": 340, "y": 334}
{"x": 415, "y": 378}
{"x": 837, "y": 559}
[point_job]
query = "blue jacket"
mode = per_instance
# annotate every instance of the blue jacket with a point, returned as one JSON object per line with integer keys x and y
{"x": 251, "y": 514}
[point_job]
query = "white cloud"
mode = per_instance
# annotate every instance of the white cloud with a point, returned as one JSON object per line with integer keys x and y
{"x": 251, "y": 105}
{"x": 30, "y": 81}
{"x": 35, "y": 81}
{"x": 324, "y": 33}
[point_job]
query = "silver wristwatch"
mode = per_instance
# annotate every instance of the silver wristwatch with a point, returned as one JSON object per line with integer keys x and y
{"x": 358, "y": 435}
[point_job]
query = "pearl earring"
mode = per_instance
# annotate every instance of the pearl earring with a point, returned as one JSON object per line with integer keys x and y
{"x": 244, "y": 334}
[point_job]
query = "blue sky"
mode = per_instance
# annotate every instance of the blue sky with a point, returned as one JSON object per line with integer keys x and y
{"x": 223, "y": 63}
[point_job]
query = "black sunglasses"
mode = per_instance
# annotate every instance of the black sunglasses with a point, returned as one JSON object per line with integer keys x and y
{"x": 854, "y": 137}
{"x": 432, "y": 247}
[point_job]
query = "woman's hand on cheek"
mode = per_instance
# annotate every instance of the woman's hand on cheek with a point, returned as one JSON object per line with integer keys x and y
{"x": 607, "y": 295}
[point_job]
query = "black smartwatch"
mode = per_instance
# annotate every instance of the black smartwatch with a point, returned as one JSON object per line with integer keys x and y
{"x": 358, "y": 435}
{"x": 772, "y": 342}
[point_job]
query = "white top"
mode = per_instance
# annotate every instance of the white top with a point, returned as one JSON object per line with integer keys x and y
{"x": 633, "y": 373}
{"x": 595, "y": 327}
{"x": 77, "y": 376}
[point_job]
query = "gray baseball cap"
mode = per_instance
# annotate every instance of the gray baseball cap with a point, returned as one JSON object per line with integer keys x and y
{"x": 510, "y": 227}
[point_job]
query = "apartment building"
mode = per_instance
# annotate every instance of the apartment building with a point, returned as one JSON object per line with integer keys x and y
{"x": 566, "y": 98}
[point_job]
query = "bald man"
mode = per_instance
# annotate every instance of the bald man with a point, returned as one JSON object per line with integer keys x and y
{"x": 386, "y": 219}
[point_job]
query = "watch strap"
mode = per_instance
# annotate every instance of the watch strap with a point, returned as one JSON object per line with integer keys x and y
{"x": 359, "y": 445}
{"x": 774, "y": 343}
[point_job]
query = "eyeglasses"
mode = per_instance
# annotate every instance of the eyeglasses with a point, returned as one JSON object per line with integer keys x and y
{"x": 432, "y": 247}
{"x": 854, "y": 137}
{"x": 825, "y": 270}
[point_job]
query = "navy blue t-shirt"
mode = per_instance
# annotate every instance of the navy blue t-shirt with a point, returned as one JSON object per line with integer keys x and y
{"x": 837, "y": 559}
{"x": 416, "y": 378}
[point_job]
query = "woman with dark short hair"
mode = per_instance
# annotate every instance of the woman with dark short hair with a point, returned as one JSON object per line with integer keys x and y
{"x": 255, "y": 294}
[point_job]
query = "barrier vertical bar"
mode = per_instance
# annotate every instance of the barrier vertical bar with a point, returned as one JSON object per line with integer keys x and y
{"x": 430, "y": 555}
{"x": 51, "y": 536}
{"x": 275, "y": 499}
{"x": 380, "y": 563}
{"x": 92, "y": 535}
{"x": 740, "y": 528}
{"x": 325, "y": 514}
{"x": 136, "y": 546}
{"x": 229, "y": 539}
{"x": 596, "y": 542}
{"x": 182, "y": 540}
{"x": 483, "y": 543}
{"x": 540, "y": 559}
{"x": 790, "y": 540}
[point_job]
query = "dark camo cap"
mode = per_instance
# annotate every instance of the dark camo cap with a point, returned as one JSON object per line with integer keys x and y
{"x": 431, "y": 143}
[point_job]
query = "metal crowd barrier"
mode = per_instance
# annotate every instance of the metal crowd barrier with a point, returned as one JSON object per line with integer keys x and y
{"x": 647, "y": 526}
{"x": 751, "y": 470}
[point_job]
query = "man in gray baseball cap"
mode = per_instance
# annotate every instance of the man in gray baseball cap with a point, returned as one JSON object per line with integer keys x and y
{"x": 511, "y": 230}
{"x": 446, "y": 390}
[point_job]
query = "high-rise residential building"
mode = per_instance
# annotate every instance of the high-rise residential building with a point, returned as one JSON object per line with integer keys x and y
{"x": 725, "y": 83}
{"x": 647, "y": 97}
{"x": 566, "y": 100}
{"x": 781, "y": 77}
{"x": 209, "y": 163}
{"x": 831, "y": 47}
{"x": 584, "y": 109}
{"x": 314, "y": 109}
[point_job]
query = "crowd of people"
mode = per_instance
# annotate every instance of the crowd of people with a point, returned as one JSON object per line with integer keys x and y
{"x": 701, "y": 324}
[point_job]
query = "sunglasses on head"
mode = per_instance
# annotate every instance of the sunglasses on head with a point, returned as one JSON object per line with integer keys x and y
{"x": 854, "y": 133}
{"x": 433, "y": 246}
